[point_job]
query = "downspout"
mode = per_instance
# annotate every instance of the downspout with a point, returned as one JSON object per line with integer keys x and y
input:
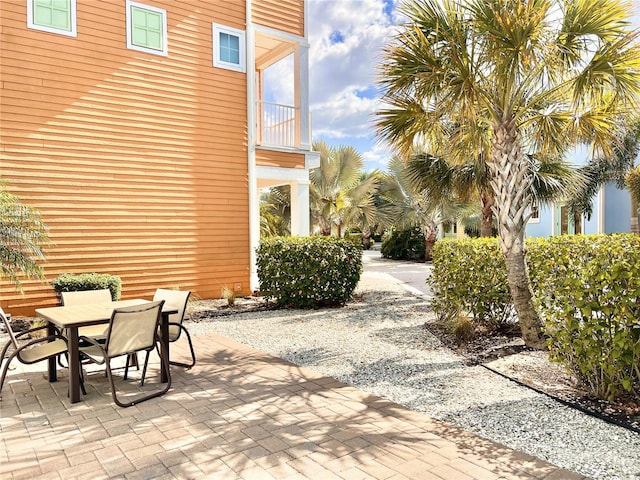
{"x": 254, "y": 207}
{"x": 601, "y": 209}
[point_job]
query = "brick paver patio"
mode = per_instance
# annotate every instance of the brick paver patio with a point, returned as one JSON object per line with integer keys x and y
{"x": 238, "y": 414}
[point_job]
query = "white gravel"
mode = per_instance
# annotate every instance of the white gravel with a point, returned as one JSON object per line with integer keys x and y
{"x": 378, "y": 344}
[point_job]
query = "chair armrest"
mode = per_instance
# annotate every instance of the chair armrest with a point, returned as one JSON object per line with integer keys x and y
{"x": 91, "y": 340}
{"x": 31, "y": 330}
{"x": 44, "y": 339}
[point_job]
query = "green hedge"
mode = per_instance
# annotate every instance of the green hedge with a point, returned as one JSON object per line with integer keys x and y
{"x": 586, "y": 290}
{"x": 308, "y": 272}
{"x": 73, "y": 282}
{"x": 403, "y": 244}
{"x": 469, "y": 278}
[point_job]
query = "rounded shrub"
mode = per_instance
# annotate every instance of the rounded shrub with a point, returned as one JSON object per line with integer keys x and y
{"x": 403, "y": 244}
{"x": 73, "y": 282}
{"x": 308, "y": 272}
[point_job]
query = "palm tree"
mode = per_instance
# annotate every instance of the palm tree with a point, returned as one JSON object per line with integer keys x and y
{"x": 376, "y": 214}
{"x": 412, "y": 205}
{"x": 22, "y": 236}
{"x": 538, "y": 76}
{"x": 339, "y": 194}
{"x": 441, "y": 180}
{"x": 275, "y": 212}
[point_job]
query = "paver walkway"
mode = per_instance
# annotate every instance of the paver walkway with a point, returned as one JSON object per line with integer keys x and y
{"x": 238, "y": 414}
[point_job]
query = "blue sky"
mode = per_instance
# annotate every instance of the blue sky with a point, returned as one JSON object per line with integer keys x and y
{"x": 346, "y": 38}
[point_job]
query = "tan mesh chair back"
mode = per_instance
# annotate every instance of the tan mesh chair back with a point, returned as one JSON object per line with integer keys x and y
{"x": 84, "y": 297}
{"x": 33, "y": 351}
{"x": 177, "y": 299}
{"x": 133, "y": 329}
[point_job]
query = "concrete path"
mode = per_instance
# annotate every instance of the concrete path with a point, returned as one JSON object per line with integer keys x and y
{"x": 238, "y": 414}
{"x": 412, "y": 275}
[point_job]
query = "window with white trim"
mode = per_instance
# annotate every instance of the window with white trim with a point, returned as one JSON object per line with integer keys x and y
{"x": 228, "y": 48}
{"x": 146, "y": 28}
{"x": 535, "y": 214}
{"x": 53, "y": 16}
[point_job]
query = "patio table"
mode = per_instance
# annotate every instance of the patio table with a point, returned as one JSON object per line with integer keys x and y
{"x": 73, "y": 317}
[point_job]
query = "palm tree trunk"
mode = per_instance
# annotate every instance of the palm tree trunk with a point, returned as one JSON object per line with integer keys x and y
{"x": 430, "y": 233}
{"x": 510, "y": 182}
{"x": 486, "y": 222}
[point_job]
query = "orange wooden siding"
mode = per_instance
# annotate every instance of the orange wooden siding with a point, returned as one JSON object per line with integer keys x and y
{"x": 283, "y": 15}
{"x": 137, "y": 162}
{"x": 274, "y": 158}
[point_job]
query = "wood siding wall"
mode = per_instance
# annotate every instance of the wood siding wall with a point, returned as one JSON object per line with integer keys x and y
{"x": 137, "y": 162}
{"x": 284, "y": 15}
{"x": 273, "y": 158}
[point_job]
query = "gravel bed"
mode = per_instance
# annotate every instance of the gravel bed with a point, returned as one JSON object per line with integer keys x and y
{"x": 378, "y": 343}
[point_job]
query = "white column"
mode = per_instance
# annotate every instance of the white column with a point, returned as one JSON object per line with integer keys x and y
{"x": 300, "y": 208}
{"x": 254, "y": 195}
{"x": 301, "y": 92}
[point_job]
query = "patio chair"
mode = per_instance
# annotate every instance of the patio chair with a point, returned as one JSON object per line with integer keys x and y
{"x": 178, "y": 299}
{"x": 131, "y": 330}
{"x": 33, "y": 351}
{"x": 85, "y": 297}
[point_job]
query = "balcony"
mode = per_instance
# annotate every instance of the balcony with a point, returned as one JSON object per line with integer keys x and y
{"x": 282, "y": 119}
{"x": 278, "y": 125}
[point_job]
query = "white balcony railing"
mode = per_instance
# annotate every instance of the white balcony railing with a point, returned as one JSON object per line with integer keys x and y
{"x": 278, "y": 125}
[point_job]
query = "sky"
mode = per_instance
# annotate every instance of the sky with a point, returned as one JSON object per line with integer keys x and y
{"x": 346, "y": 39}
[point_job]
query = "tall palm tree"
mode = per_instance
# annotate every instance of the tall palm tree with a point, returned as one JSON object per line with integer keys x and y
{"x": 22, "y": 236}
{"x": 440, "y": 180}
{"x": 338, "y": 193}
{"x": 412, "y": 205}
{"x": 536, "y": 75}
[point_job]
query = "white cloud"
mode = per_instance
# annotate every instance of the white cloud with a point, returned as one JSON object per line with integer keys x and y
{"x": 378, "y": 157}
{"x": 346, "y": 39}
{"x": 342, "y": 74}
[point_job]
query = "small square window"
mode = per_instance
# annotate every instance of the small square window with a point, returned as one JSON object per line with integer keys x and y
{"x": 53, "y": 16}
{"x": 146, "y": 28}
{"x": 535, "y": 214}
{"x": 228, "y": 48}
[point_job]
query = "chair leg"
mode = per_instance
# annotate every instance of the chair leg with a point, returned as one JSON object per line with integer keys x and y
{"x": 144, "y": 369}
{"x": 126, "y": 367}
{"x": 164, "y": 363}
{"x": 84, "y": 390}
{"x": 193, "y": 353}
{"x": 66, "y": 355}
{"x": 5, "y": 369}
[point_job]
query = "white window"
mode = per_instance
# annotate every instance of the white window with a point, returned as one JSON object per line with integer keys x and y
{"x": 54, "y": 16}
{"x": 228, "y": 48}
{"x": 146, "y": 28}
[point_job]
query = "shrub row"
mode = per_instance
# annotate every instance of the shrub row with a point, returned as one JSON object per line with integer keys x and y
{"x": 470, "y": 278}
{"x": 586, "y": 289}
{"x": 73, "y": 282}
{"x": 308, "y": 272}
